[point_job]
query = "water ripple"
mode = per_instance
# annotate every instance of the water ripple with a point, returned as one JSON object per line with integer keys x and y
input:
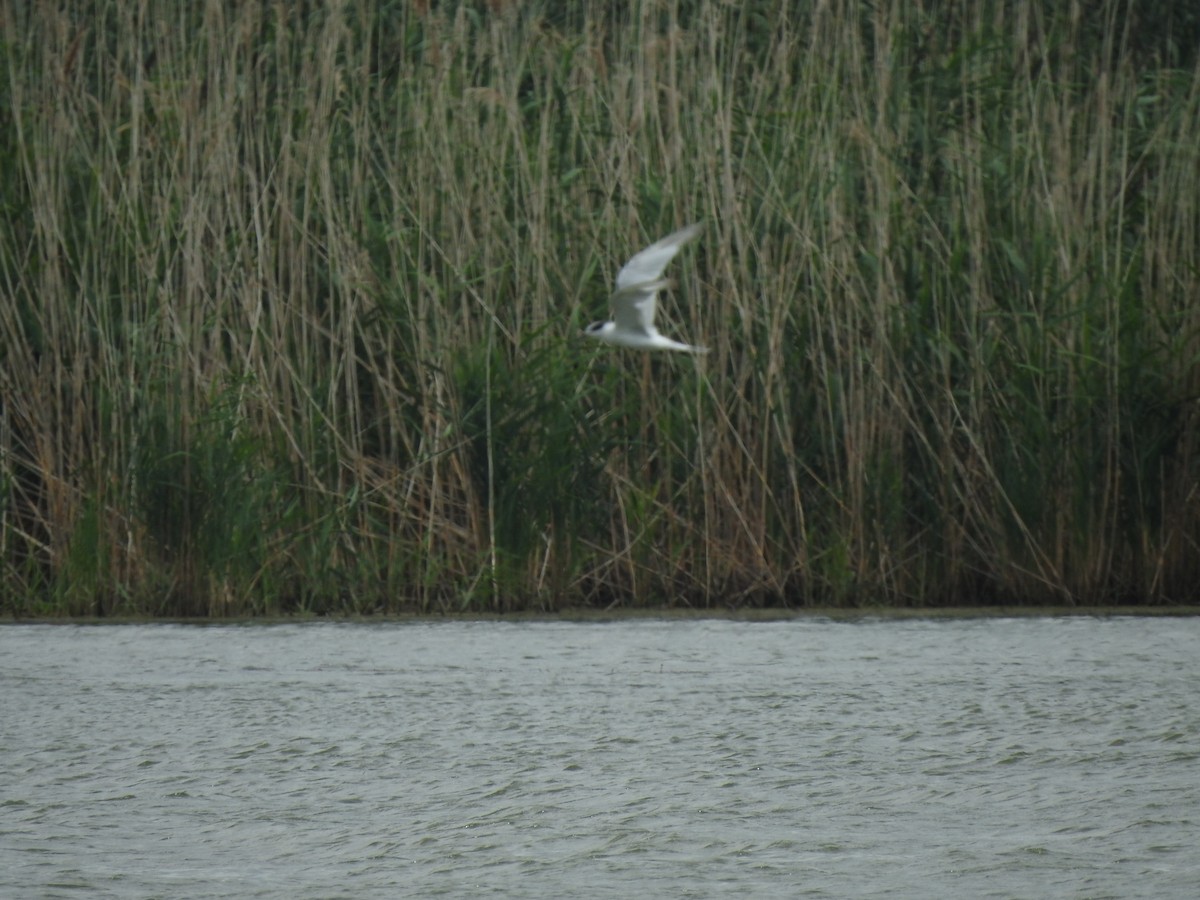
{"x": 984, "y": 758}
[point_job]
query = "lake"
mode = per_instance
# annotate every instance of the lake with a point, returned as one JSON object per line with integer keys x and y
{"x": 978, "y": 757}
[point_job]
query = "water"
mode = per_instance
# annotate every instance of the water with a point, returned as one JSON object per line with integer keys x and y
{"x": 983, "y": 758}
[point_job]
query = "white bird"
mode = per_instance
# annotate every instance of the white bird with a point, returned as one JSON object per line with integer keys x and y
{"x": 634, "y": 300}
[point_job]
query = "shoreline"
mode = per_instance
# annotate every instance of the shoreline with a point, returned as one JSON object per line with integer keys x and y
{"x": 603, "y": 616}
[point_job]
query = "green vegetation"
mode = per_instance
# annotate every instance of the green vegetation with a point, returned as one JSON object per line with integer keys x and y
{"x": 290, "y": 294}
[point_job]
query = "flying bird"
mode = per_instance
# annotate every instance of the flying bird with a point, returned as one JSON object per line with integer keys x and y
{"x": 634, "y": 300}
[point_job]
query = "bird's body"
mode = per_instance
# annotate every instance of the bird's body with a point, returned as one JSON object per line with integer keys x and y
{"x": 635, "y": 299}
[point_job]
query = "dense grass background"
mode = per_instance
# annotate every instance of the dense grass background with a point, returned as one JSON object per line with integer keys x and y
{"x": 291, "y": 294}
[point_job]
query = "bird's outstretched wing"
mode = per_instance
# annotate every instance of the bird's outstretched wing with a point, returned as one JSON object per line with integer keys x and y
{"x": 640, "y": 280}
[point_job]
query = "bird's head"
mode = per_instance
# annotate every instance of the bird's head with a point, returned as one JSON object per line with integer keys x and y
{"x": 598, "y": 329}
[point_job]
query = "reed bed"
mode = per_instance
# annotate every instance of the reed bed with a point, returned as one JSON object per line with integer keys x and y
{"x": 291, "y": 296}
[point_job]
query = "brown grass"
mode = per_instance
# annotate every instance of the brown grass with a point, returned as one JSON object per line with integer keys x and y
{"x": 291, "y": 299}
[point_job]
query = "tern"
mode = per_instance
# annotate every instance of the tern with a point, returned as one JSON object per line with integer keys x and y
{"x": 634, "y": 300}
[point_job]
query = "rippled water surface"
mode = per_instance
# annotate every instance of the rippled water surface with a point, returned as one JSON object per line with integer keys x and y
{"x": 980, "y": 758}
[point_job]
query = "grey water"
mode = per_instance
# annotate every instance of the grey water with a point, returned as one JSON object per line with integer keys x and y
{"x": 1055, "y": 757}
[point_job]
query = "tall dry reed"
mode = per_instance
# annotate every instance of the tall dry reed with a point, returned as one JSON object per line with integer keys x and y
{"x": 291, "y": 295}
